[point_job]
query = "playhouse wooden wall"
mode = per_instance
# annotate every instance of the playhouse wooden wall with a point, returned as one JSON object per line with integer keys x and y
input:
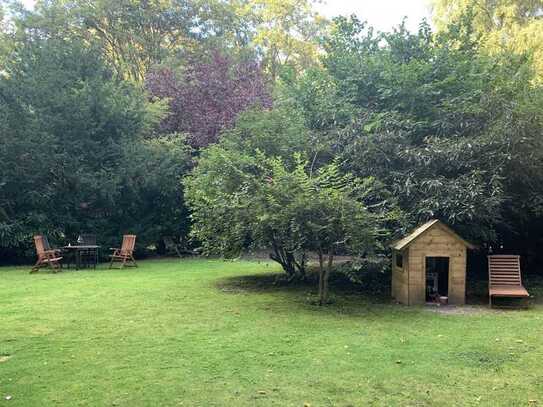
{"x": 399, "y": 277}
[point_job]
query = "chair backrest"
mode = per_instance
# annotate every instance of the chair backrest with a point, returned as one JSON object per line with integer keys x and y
{"x": 504, "y": 270}
{"x": 88, "y": 239}
{"x": 40, "y": 245}
{"x": 129, "y": 241}
{"x": 46, "y": 244}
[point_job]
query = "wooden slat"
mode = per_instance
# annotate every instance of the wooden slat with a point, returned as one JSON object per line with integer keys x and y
{"x": 509, "y": 291}
{"x": 52, "y": 260}
{"x": 505, "y": 279}
{"x": 505, "y": 275}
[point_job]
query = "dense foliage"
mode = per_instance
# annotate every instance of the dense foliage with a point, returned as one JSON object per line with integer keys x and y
{"x": 441, "y": 126}
{"x": 208, "y": 95}
{"x": 224, "y": 188}
{"x": 289, "y": 132}
{"x": 447, "y": 131}
{"x": 257, "y": 188}
{"x": 73, "y": 157}
{"x": 499, "y": 25}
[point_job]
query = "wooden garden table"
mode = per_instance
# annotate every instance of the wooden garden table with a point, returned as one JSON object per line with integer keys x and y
{"x": 80, "y": 249}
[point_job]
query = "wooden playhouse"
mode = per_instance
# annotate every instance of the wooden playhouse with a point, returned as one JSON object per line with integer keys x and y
{"x": 430, "y": 263}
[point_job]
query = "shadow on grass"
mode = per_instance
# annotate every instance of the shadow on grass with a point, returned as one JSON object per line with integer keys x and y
{"x": 371, "y": 290}
{"x": 347, "y": 296}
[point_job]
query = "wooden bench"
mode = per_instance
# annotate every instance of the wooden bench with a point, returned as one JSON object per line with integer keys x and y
{"x": 504, "y": 278}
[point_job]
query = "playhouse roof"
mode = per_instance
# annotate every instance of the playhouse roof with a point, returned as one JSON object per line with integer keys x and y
{"x": 406, "y": 241}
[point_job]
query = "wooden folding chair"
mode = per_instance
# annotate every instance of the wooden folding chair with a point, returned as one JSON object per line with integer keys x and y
{"x": 504, "y": 278}
{"x": 46, "y": 257}
{"x": 124, "y": 255}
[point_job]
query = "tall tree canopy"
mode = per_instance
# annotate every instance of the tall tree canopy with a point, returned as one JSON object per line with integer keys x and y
{"x": 206, "y": 97}
{"x": 286, "y": 32}
{"x": 510, "y": 25}
{"x": 133, "y": 35}
{"x": 442, "y": 126}
{"x": 139, "y": 35}
{"x": 105, "y": 106}
{"x": 73, "y": 156}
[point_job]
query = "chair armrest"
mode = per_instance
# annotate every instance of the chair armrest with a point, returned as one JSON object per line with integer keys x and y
{"x": 51, "y": 254}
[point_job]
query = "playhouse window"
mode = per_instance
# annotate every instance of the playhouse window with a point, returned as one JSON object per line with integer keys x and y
{"x": 399, "y": 260}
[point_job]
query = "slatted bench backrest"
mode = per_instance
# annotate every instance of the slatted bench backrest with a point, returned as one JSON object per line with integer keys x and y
{"x": 504, "y": 270}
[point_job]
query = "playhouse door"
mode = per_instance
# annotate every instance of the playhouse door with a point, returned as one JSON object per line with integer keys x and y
{"x": 437, "y": 278}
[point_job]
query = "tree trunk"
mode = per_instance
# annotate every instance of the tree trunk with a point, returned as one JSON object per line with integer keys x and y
{"x": 321, "y": 278}
{"x": 326, "y": 277}
{"x": 300, "y": 266}
{"x": 161, "y": 247}
{"x": 324, "y": 274}
{"x": 285, "y": 259}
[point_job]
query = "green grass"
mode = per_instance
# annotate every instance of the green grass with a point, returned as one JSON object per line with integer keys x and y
{"x": 213, "y": 333}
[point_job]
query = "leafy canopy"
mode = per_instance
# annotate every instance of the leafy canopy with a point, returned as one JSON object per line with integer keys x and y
{"x": 259, "y": 188}
{"x": 504, "y": 25}
{"x": 438, "y": 124}
{"x": 74, "y": 157}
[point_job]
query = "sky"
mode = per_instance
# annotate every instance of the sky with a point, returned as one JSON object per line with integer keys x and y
{"x": 381, "y": 14}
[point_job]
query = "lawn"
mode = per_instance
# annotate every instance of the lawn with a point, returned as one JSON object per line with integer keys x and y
{"x": 214, "y": 333}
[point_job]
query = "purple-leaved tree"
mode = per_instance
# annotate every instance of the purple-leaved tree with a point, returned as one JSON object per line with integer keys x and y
{"x": 208, "y": 94}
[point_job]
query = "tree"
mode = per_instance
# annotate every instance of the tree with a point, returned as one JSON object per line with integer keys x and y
{"x": 5, "y": 34}
{"x": 286, "y": 33}
{"x": 133, "y": 35}
{"x": 74, "y": 154}
{"x": 259, "y": 188}
{"x": 149, "y": 191}
{"x": 503, "y": 25}
{"x": 326, "y": 213}
{"x": 137, "y": 36}
{"x": 221, "y": 190}
{"x": 429, "y": 119}
{"x": 206, "y": 97}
